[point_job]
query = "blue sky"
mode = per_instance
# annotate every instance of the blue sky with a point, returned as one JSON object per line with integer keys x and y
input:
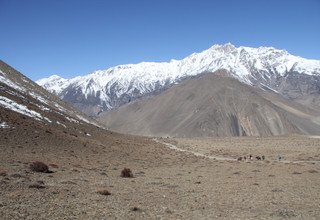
{"x": 75, "y": 37}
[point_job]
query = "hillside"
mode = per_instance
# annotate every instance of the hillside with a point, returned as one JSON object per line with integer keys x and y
{"x": 213, "y": 105}
{"x": 21, "y": 96}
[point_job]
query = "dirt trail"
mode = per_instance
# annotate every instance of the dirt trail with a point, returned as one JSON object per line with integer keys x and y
{"x": 174, "y": 147}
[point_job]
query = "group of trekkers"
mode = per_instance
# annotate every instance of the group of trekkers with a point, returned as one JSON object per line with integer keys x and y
{"x": 250, "y": 157}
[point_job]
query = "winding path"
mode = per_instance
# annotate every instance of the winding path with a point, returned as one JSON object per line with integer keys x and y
{"x": 174, "y": 147}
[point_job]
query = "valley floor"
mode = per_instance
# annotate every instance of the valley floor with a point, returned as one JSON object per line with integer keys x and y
{"x": 167, "y": 183}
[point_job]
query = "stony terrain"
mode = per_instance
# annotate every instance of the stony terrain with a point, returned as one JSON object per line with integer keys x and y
{"x": 172, "y": 178}
{"x": 166, "y": 184}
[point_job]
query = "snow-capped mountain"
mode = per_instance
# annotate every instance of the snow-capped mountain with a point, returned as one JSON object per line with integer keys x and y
{"x": 266, "y": 67}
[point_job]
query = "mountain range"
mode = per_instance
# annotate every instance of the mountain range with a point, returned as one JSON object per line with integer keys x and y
{"x": 293, "y": 77}
{"x": 213, "y": 104}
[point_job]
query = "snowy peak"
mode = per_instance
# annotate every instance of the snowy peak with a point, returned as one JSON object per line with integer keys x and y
{"x": 107, "y": 89}
{"x": 55, "y": 82}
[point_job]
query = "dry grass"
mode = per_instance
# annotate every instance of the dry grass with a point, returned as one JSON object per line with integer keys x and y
{"x": 3, "y": 173}
{"x": 167, "y": 184}
{"x": 135, "y": 209}
{"x": 104, "y": 192}
{"x": 312, "y": 171}
{"x": 37, "y": 186}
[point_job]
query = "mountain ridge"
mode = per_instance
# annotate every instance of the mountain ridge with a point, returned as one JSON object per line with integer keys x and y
{"x": 214, "y": 104}
{"x": 107, "y": 89}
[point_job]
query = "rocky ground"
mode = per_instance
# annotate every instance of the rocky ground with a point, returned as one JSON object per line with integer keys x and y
{"x": 166, "y": 184}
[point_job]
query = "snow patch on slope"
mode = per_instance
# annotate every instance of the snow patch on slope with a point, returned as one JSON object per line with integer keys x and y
{"x": 4, "y": 125}
{"x": 12, "y": 105}
{"x": 9, "y": 83}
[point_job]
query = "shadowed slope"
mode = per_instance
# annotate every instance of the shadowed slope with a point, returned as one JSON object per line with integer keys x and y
{"x": 212, "y": 105}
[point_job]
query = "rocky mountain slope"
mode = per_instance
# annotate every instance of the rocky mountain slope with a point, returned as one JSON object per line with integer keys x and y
{"x": 214, "y": 104}
{"x": 22, "y": 100}
{"x": 294, "y": 77}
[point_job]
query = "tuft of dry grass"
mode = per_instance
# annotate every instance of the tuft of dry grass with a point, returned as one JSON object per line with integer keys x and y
{"x": 37, "y": 186}
{"x": 104, "y": 192}
{"x": 40, "y": 167}
{"x": 312, "y": 171}
{"x": 3, "y": 173}
{"x": 126, "y": 173}
{"x": 135, "y": 209}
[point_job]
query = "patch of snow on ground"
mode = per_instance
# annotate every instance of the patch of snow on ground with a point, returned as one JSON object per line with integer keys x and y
{"x": 4, "y": 125}
{"x": 63, "y": 125}
{"x": 59, "y": 107}
{"x": 83, "y": 119}
{"x": 89, "y": 122}
{"x": 43, "y": 108}
{"x": 38, "y": 97}
{"x": 72, "y": 120}
{"x": 12, "y": 105}
{"x": 11, "y": 84}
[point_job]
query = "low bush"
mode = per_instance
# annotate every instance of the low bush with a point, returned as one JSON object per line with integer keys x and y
{"x": 37, "y": 186}
{"x": 135, "y": 209}
{"x": 3, "y": 173}
{"x": 312, "y": 171}
{"x": 126, "y": 173}
{"x": 104, "y": 192}
{"x": 38, "y": 166}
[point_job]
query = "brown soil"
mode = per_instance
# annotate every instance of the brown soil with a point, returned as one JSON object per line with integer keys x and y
{"x": 166, "y": 184}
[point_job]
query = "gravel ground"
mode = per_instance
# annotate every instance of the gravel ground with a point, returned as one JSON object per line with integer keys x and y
{"x": 166, "y": 184}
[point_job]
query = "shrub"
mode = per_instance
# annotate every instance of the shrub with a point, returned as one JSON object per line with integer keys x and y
{"x": 127, "y": 173}
{"x": 37, "y": 186}
{"x": 312, "y": 171}
{"x": 38, "y": 166}
{"x": 3, "y": 173}
{"x": 104, "y": 192}
{"x": 135, "y": 209}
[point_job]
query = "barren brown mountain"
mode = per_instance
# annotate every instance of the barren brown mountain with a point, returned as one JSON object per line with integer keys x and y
{"x": 213, "y": 105}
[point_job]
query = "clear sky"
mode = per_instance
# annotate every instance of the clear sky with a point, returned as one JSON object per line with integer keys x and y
{"x": 76, "y": 37}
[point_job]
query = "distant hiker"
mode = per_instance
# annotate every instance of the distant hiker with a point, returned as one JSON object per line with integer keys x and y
{"x": 258, "y": 158}
{"x": 279, "y": 157}
{"x": 250, "y": 157}
{"x": 244, "y": 158}
{"x": 262, "y": 157}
